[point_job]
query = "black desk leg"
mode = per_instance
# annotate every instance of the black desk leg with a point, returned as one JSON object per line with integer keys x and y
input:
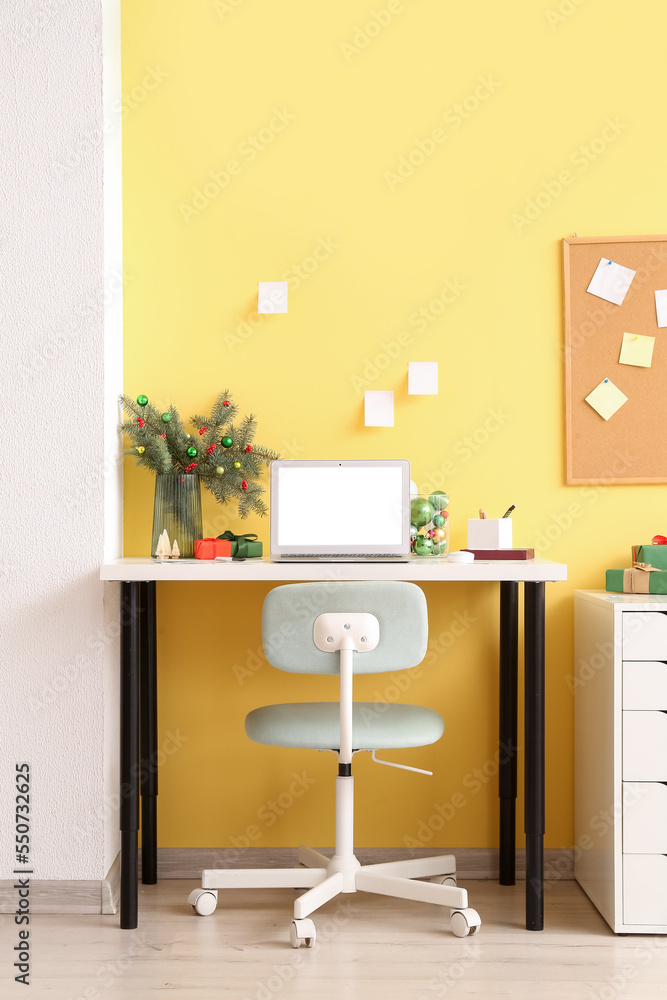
{"x": 534, "y": 766}
{"x": 509, "y": 633}
{"x": 148, "y": 727}
{"x": 129, "y": 753}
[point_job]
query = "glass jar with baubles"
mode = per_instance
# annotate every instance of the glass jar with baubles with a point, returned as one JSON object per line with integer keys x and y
{"x": 429, "y": 524}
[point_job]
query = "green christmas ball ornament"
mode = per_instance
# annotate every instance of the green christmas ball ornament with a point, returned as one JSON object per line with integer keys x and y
{"x": 219, "y": 471}
{"x": 226, "y": 442}
{"x": 237, "y": 465}
{"x": 423, "y": 545}
{"x": 142, "y": 400}
{"x": 166, "y": 418}
{"x": 192, "y": 452}
{"x": 439, "y": 520}
{"x": 438, "y": 500}
{"x": 421, "y": 511}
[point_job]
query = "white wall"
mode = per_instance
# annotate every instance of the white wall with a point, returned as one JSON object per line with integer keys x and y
{"x": 59, "y": 643}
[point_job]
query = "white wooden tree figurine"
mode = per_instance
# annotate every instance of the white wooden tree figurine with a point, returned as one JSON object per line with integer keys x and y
{"x": 163, "y": 546}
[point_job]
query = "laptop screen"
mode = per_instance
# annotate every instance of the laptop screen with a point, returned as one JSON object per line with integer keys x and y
{"x": 346, "y": 506}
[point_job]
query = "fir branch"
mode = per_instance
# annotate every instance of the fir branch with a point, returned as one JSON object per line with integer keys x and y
{"x": 165, "y": 448}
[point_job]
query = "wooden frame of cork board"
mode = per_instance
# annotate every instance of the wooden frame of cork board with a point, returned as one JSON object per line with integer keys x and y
{"x": 631, "y": 446}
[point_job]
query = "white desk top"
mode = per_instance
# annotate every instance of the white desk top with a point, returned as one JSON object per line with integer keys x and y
{"x": 420, "y": 569}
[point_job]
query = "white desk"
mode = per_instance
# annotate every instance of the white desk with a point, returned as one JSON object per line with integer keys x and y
{"x": 138, "y": 619}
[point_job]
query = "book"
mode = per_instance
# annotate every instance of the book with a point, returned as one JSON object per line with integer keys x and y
{"x": 502, "y": 553}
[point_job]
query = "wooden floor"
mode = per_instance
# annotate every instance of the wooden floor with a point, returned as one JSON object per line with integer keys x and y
{"x": 368, "y": 948}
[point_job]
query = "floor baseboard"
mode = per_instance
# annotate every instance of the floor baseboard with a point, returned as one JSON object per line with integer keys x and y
{"x": 91, "y": 896}
{"x": 66, "y": 895}
{"x": 471, "y": 862}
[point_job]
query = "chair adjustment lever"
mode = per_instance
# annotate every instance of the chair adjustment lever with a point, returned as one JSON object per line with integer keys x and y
{"x": 403, "y": 767}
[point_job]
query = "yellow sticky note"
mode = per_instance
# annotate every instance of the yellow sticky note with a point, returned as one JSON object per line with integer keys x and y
{"x": 606, "y": 398}
{"x": 636, "y": 350}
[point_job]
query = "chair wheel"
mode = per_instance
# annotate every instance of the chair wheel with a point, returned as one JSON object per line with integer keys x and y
{"x": 204, "y": 901}
{"x": 444, "y": 879}
{"x": 465, "y": 922}
{"x": 302, "y": 932}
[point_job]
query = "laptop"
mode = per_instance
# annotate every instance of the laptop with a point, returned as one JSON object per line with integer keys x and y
{"x": 340, "y": 511}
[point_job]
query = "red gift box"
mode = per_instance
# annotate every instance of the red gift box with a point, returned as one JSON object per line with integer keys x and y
{"x": 211, "y": 548}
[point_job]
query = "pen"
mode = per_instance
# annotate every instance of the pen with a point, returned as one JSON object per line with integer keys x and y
{"x": 509, "y": 510}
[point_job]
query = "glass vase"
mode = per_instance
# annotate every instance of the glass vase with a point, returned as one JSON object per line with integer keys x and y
{"x": 429, "y": 524}
{"x": 178, "y": 509}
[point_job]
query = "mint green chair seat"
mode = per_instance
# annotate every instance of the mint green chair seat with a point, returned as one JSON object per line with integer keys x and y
{"x": 316, "y": 725}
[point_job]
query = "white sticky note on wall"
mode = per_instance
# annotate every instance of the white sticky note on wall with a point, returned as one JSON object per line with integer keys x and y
{"x": 272, "y": 297}
{"x": 606, "y": 398}
{"x": 611, "y": 281}
{"x": 379, "y": 408}
{"x": 422, "y": 378}
{"x": 661, "y": 306}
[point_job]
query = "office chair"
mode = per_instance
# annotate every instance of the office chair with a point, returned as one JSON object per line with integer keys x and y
{"x": 345, "y": 628}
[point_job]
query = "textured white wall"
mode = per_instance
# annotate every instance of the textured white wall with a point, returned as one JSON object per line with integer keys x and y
{"x": 58, "y": 654}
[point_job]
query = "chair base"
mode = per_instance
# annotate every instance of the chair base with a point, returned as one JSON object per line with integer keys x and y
{"x": 325, "y": 878}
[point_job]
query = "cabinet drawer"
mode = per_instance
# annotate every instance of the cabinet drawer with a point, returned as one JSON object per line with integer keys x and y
{"x": 644, "y": 746}
{"x": 644, "y": 889}
{"x": 644, "y": 635}
{"x": 644, "y": 684}
{"x": 644, "y": 817}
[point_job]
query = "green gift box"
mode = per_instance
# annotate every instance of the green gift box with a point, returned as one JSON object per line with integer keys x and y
{"x": 637, "y": 581}
{"x": 654, "y": 555}
{"x": 243, "y": 546}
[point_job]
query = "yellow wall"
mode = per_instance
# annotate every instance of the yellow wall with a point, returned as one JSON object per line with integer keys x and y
{"x": 518, "y": 93}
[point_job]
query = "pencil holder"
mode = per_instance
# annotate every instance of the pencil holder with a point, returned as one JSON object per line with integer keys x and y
{"x": 429, "y": 524}
{"x": 489, "y": 533}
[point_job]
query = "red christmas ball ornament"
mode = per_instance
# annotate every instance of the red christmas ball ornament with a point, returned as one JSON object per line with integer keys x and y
{"x": 163, "y": 435}
{"x": 202, "y": 429}
{"x": 226, "y": 403}
{"x": 248, "y": 448}
{"x": 140, "y": 421}
{"x": 244, "y": 485}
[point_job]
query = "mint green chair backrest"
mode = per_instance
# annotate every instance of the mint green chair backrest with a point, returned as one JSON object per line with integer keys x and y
{"x": 289, "y": 612}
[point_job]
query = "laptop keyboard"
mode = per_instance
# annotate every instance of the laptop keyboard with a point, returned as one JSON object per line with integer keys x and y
{"x": 345, "y": 556}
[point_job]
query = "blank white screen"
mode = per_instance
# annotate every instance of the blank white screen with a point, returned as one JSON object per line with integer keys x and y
{"x": 340, "y": 506}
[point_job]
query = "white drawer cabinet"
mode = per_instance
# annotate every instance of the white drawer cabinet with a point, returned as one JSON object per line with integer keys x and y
{"x": 619, "y": 683}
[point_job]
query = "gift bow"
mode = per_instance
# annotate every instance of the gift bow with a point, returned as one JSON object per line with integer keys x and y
{"x": 636, "y": 580}
{"x": 241, "y": 540}
{"x": 659, "y": 540}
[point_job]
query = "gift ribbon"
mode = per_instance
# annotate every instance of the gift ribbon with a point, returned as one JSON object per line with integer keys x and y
{"x": 241, "y": 540}
{"x": 636, "y": 580}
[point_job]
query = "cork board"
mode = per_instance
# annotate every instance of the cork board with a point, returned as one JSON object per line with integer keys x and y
{"x": 630, "y": 446}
